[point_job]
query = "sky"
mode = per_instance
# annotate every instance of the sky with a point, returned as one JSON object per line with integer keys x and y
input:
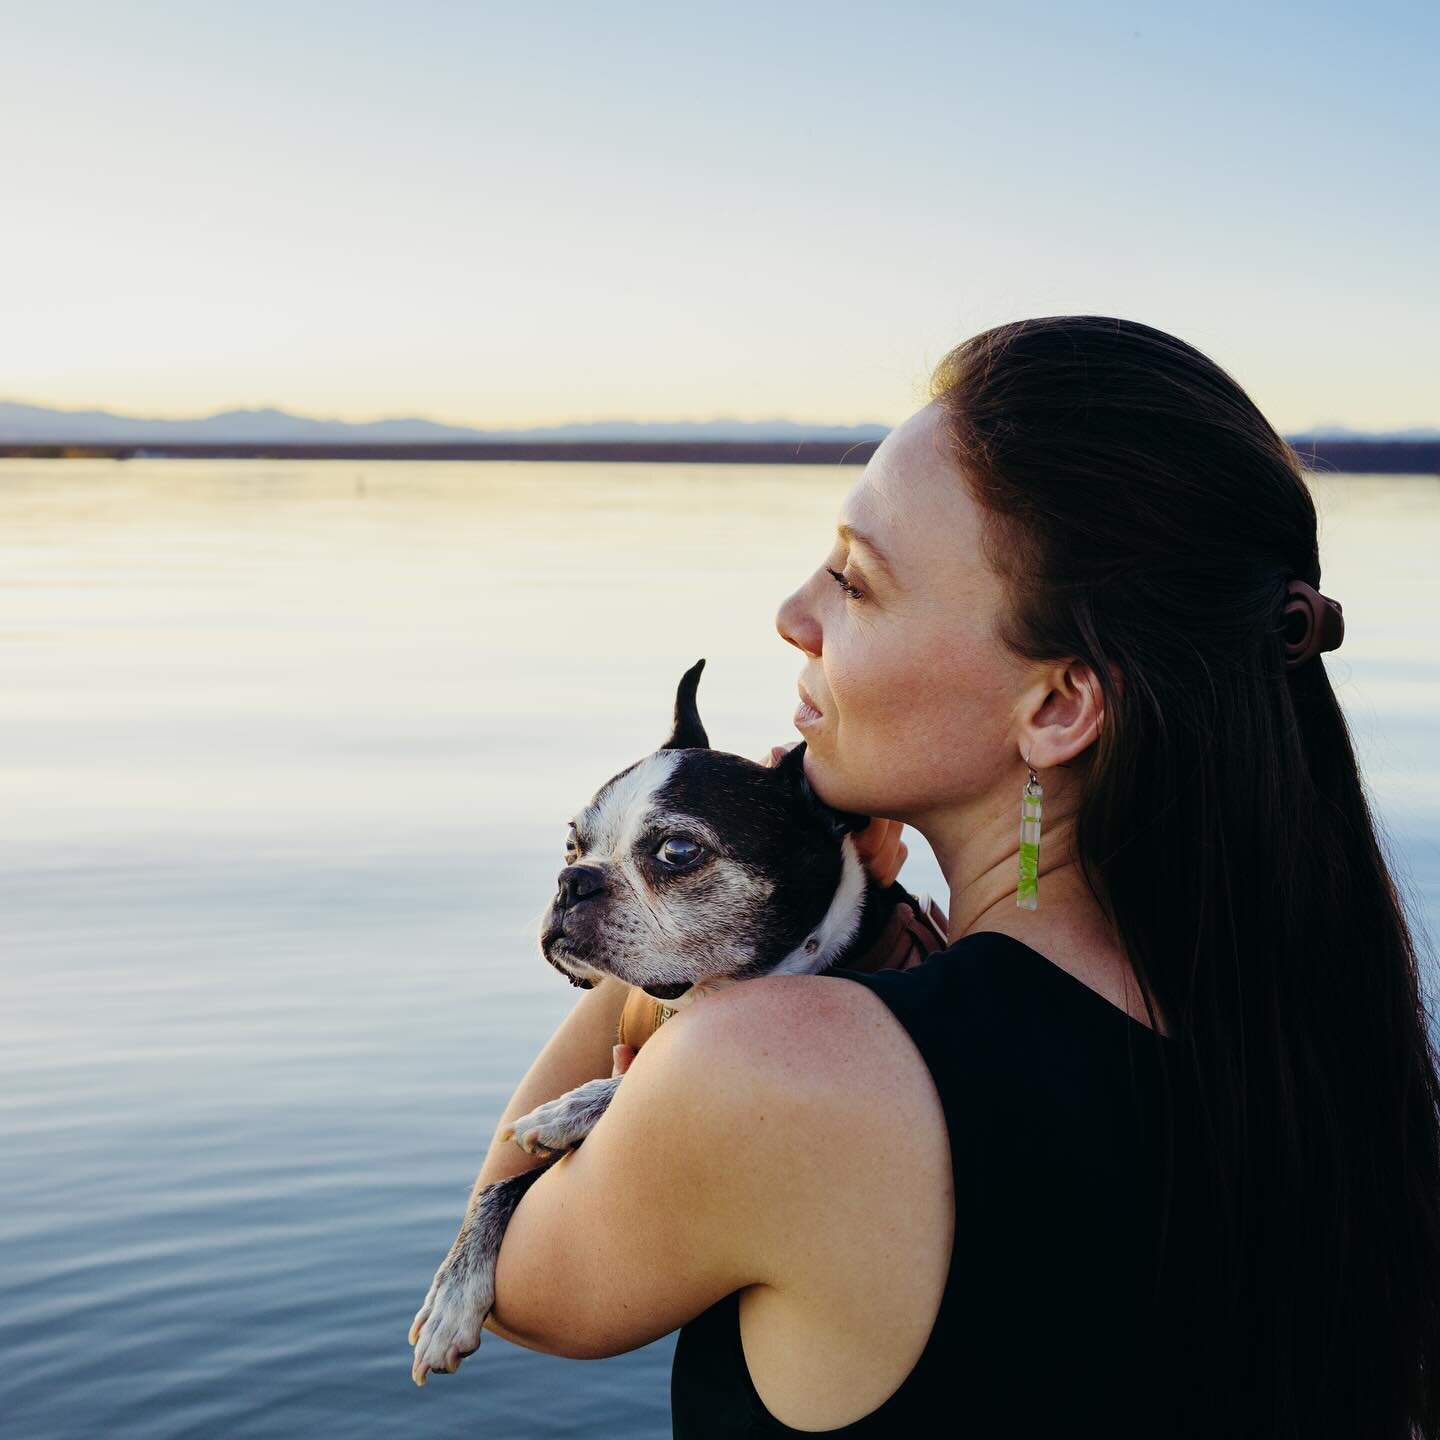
{"x": 505, "y": 215}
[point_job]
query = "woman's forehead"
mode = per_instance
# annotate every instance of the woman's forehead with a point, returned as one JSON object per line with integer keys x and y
{"x": 912, "y": 500}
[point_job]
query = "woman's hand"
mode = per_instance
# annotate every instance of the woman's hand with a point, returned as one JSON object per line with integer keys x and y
{"x": 879, "y": 846}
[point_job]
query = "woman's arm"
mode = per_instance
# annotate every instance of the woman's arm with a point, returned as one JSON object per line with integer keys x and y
{"x": 581, "y": 1049}
{"x": 730, "y": 1157}
{"x": 652, "y": 1219}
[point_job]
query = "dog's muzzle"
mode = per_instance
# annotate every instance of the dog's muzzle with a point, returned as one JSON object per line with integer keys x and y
{"x": 568, "y": 929}
{"x": 577, "y": 885}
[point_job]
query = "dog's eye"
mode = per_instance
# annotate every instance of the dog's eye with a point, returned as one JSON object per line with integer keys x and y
{"x": 678, "y": 851}
{"x": 572, "y": 840}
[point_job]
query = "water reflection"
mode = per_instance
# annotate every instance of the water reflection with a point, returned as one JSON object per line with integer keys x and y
{"x": 288, "y": 754}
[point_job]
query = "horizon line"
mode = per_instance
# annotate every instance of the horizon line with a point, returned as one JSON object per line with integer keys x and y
{"x": 1318, "y": 429}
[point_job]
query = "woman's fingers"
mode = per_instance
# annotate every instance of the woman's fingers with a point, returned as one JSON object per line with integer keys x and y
{"x": 777, "y": 752}
{"x": 880, "y": 848}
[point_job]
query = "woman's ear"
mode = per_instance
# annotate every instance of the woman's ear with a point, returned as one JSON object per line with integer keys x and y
{"x": 1066, "y": 714}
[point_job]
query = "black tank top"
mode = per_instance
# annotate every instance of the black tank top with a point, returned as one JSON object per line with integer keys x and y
{"x": 1050, "y": 1323}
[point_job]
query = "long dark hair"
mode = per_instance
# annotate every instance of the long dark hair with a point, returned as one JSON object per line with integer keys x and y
{"x": 1145, "y": 515}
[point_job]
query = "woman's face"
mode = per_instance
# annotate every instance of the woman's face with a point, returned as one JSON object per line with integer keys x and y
{"x": 917, "y": 698}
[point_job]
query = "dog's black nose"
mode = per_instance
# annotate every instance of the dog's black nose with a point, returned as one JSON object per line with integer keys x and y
{"x": 579, "y": 882}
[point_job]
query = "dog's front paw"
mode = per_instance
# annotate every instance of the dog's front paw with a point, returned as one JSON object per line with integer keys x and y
{"x": 560, "y": 1125}
{"x": 447, "y": 1327}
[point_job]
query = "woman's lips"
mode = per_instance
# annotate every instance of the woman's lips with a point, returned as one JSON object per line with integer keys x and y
{"x": 807, "y": 716}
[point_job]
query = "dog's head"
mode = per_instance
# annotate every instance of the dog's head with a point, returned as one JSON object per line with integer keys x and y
{"x": 694, "y": 866}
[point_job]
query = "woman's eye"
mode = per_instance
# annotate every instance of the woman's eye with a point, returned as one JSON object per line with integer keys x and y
{"x": 678, "y": 850}
{"x": 851, "y": 593}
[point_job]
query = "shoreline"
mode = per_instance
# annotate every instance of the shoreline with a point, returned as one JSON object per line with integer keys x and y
{"x": 1374, "y": 457}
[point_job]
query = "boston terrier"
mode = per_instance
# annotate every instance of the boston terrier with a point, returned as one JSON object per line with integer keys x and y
{"x": 688, "y": 871}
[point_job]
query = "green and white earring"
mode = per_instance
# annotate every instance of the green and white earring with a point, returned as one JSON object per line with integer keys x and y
{"x": 1027, "y": 893}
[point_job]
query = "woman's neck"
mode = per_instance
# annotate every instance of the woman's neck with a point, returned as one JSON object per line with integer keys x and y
{"x": 980, "y": 858}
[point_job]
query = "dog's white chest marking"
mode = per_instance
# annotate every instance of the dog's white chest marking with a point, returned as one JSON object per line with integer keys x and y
{"x": 839, "y": 925}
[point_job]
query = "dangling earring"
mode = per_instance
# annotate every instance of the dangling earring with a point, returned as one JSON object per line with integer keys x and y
{"x": 1027, "y": 893}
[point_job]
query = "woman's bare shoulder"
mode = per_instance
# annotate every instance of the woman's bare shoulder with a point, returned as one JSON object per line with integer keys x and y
{"x": 840, "y": 1082}
{"x": 788, "y": 1018}
{"x": 836, "y": 1053}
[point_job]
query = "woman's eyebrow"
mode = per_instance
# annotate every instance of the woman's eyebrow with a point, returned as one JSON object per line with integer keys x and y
{"x": 852, "y": 536}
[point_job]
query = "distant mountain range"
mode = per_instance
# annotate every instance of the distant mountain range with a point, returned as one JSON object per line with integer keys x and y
{"x": 41, "y": 425}
{"x": 1342, "y": 432}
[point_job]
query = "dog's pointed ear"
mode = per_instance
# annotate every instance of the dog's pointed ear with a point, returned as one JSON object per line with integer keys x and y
{"x": 689, "y": 733}
{"x": 840, "y": 822}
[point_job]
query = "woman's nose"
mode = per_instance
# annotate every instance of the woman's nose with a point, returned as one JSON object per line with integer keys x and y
{"x": 797, "y": 624}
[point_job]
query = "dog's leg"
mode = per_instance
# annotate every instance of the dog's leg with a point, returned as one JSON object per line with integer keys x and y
{"x": 560, "y": 1125}
{"x": 447, "y": 1327}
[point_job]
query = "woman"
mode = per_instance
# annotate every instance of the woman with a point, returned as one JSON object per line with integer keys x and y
{"x": 1159, "y": 1156}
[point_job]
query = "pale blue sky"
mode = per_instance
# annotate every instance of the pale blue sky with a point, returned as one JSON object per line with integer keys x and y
{"x": 505, "y": 215}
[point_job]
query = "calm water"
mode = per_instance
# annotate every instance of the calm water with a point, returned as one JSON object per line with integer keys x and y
{"x": 287, "y": 755}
